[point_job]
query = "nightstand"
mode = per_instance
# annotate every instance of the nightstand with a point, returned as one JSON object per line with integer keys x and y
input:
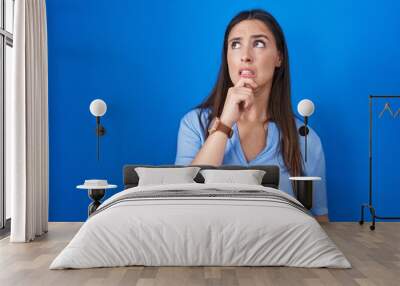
{"x": 96, "y": 191}
{"x": 303, "y": 189}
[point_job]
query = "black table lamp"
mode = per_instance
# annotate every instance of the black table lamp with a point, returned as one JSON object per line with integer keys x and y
{"x": 98, "y": 108}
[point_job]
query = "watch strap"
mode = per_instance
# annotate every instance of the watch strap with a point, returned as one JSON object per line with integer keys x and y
{"x": 225, "y": 128}
{"x": 217, "y": 125}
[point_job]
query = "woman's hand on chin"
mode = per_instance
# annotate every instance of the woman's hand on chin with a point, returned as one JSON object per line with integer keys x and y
{"x": 239, "y": 99}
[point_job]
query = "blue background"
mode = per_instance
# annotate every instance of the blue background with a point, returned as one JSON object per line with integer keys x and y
{"x": 152, "y": 61}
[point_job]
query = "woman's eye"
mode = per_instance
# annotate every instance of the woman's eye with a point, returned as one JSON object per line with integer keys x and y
{"x": 235, "y": 45}
{"x": 259, "y": 44}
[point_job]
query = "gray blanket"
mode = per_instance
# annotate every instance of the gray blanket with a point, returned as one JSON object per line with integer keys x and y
{"x": 202, "y": 194}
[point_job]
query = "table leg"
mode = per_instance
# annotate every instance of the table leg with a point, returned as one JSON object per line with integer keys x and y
{"x": 96, "y": 195}
{"x": 305, "y": 193}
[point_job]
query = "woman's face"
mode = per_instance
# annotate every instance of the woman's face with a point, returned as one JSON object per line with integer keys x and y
{"x": 252, "y": 52}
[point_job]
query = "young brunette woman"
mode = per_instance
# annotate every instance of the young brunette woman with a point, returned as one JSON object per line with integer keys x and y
{"x": 247, "y": 119}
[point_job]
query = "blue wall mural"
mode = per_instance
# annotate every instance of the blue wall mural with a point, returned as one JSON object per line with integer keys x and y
{"x": 152, "y": 61}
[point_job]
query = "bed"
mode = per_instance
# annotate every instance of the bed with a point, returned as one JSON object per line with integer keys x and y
{"x": 201, "y": 224}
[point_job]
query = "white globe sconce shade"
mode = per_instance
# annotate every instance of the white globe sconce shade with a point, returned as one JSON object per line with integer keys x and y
{"x": 305, "y": 107}
{"x": 98, "y": 107}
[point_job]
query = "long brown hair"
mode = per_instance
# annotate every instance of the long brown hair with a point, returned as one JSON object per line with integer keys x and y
{"x": 279, "y": 107}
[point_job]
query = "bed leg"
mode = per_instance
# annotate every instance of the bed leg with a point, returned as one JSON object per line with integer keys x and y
{"x": 361, "y": 222}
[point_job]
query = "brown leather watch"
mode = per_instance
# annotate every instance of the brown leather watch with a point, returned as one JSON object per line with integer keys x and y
{"x": 217, "y": 125}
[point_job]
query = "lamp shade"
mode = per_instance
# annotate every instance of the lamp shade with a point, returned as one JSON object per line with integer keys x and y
{"x": 305, "y": 107}
{"x": 98, "y": 107}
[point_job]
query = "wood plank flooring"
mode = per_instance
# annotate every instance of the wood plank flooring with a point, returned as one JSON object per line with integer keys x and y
{"x": 375, "y": 257}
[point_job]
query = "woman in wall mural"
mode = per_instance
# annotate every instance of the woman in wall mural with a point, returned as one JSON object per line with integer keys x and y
{"x": 247, "y": 119}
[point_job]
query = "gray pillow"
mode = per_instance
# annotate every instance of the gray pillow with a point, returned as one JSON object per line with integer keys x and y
{"x": 162, "y": 176}
{"x": 248, "y": 177}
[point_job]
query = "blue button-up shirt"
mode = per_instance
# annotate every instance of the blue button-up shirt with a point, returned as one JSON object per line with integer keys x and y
{"x": 191, "y": 137}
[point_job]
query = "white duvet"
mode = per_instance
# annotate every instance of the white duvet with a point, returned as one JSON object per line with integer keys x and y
{"x": 200, "y": 231}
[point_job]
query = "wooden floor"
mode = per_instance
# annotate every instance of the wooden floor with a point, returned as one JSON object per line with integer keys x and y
{"x": 375, "y": 257}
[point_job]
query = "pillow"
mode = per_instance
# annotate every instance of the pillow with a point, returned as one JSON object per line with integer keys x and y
{"x": 249, "y": 177}
{"x": 162, "y": 176}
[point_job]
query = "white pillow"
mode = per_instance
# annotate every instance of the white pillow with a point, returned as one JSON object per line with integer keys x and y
{"x": 249, "y": 177}
{"x": 162, "y": 176}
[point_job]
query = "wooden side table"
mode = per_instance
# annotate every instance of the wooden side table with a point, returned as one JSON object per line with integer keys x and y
{"x": 303, "y": 189}
{"x": 96, "y": 191}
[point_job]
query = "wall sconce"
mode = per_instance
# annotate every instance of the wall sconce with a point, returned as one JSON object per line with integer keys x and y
{"x": 306, "y": 109}
{"x": 98, "y": 108}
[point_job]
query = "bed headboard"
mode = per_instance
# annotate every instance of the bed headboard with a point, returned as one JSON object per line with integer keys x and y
{"x": 270, "y": 179}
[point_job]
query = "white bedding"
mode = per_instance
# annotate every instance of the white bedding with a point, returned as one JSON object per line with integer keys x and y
{"x": 200, "y": 231}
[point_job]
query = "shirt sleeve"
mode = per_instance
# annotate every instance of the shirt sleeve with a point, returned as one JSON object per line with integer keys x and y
{"x": 315, "y": 166}
{"x": 189, "y": 139}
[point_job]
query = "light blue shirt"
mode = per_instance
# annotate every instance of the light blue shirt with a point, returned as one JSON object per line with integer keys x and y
{"x": 191, "y": 138}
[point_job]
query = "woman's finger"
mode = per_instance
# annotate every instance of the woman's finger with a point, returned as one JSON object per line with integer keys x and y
{"x": 247, "y": 99}
{"x": 244, "y": 89}
{"x": 246, "y": 82}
